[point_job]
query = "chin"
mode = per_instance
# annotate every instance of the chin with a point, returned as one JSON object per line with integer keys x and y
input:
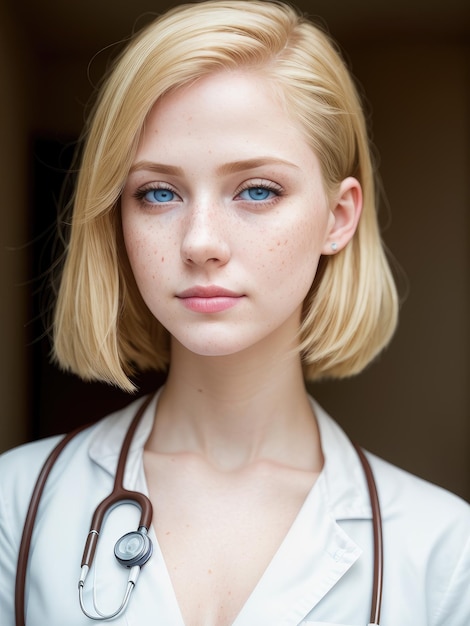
{"x": 220, "y": 344}
{"x": 214, "y": 349}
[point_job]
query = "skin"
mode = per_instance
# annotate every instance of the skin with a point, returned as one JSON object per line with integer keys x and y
{"x": 225, "y": 217}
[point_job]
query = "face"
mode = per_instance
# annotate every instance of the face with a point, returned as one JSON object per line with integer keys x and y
{"x": 225, "y": 216}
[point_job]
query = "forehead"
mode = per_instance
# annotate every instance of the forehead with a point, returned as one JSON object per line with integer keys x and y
{"x": 243, "y": 109}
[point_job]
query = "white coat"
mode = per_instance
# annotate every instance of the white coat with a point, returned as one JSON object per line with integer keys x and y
{"x": 321, "y": 573}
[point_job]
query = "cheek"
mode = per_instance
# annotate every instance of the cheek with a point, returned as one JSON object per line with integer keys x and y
{"x": 294, "y": 253}
{"x": 147, "y": 253}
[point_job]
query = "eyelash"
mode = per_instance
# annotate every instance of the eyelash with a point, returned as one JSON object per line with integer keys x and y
{"x": 140, "y": 193}
{"x": 276, "y": 189}
{"x": 262, "y": 184}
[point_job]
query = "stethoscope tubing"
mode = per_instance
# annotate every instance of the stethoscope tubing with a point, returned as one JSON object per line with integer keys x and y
{"x": 377, "y": 581}
{"x": 25, "y": 544}
{"x": 119, "y": 494}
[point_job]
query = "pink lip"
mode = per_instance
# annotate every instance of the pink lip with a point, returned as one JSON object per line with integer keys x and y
{"x": 210, "y": 299}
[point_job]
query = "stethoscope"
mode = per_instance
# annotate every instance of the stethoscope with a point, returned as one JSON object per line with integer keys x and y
{"x": 135, "y": 548}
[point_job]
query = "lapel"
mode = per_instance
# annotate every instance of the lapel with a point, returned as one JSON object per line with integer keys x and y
{"x": 314, "y": 555}
{"x": 316, "y": 552}
{"x": 105, "y": 445}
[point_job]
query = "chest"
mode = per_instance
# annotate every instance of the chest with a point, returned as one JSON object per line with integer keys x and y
{"x": 219, "y": 532}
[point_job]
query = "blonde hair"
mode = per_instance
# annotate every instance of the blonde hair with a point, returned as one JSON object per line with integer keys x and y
{"x": 102, "y": 328}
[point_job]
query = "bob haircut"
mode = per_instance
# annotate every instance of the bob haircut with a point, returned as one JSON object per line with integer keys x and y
{"x": 102, "y": 328}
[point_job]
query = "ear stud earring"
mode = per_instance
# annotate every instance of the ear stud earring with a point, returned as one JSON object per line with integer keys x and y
{"x": 334, "y": 246}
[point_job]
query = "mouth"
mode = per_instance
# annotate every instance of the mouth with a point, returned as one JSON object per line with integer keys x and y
{"x": 211, "y": 291}
{"x": 210, "y": 299}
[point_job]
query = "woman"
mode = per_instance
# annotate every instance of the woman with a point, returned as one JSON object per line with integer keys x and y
{"x": 225, "y": 228}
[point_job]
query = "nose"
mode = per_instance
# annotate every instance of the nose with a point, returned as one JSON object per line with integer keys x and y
{"x": 205, "y": 236}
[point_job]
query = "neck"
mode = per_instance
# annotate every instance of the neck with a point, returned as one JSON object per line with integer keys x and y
{"x": 237, "y": 410}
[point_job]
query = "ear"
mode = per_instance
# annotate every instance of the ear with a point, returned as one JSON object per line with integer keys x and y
{"x": 346, "y": 211}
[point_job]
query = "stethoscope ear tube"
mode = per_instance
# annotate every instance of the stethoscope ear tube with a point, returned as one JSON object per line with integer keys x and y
{"x": 131, "y": 581}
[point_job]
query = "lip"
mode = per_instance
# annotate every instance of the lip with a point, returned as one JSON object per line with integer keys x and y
{"x": 208, "y": 299}
{"x": 211, "y": 291}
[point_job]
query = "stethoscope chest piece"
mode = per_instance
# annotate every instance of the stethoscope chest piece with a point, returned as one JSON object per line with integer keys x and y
{"x": 133, "y": 548}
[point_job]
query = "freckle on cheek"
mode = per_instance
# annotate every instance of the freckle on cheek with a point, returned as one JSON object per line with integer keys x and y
{"x": 163, "y": 259}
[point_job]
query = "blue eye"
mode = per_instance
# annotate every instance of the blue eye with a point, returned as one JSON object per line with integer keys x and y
{"x": 257, "y": 193}
{"x": 159, "y": 195}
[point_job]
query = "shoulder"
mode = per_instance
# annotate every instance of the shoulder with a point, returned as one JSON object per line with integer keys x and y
{"x": 20, "y": 467}
{"x": 426, "y": 533}
{"x": 404, "y": 495}
{"x": 422, "y": 521}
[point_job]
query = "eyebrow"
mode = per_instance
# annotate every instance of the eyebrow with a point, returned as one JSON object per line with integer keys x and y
{"x": 150, "y": 166}
{"x": 250, "y": 164}
{"x": 226, "y": 168}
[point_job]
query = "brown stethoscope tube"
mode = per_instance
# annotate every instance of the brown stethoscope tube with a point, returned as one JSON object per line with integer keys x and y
{"x": 119, "y": 494}
{"x": 377, "y": 581}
